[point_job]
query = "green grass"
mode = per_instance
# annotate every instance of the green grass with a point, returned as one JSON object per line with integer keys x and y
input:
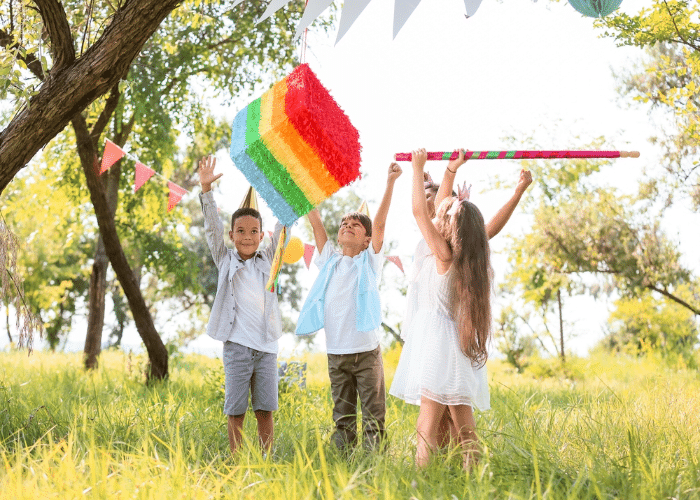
{"x": 609, "y": 428}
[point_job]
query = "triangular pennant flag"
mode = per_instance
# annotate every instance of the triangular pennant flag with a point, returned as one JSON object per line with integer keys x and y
{"x": 314, "y": 8}
{"x": 175, "y": 195}
{"x": 143, "y": 173}
{"x": 112, "y": 154}
{"x": 308, "y": 253}
{"x": 402, "y": 11}
{"x": 396, "y": 260}
{"x": 272, "y": 7}
{"x": 472, "y": 6}
{"x": 350, "y": 12}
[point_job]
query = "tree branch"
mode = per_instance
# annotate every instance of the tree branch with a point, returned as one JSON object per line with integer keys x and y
{"x": 677, "y": 300}
{"x": 33, "y": 64}
{"x": 56, "y": 24}
{"x": 106, "y": 114}
{"x": 675, "y": 26}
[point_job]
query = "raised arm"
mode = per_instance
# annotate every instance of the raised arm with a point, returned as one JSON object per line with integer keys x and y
{"x": 494, "y": 226}
{"x": 437, "y": 244}
{"x": 320, "y": 234}
{"x": 449, "y": 178}
{"x": 379, "y": 222}
{"x": 213, "y": 227}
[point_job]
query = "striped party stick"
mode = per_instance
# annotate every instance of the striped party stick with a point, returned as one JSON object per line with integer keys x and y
{"x": 520, "y": 155}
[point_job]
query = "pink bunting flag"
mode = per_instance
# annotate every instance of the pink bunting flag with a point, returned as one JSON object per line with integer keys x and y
{"x": 308, "y": 253}
{"x": 143, "y": 173}
{"x": 112, "y": 154}
{"x": 396, "y": 260}
{"x": 175, "y": 195}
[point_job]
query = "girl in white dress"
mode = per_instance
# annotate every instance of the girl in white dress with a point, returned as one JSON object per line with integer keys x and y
{"x": 448, "y": 323}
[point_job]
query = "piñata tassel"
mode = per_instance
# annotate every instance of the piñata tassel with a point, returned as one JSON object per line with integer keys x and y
{"x": 276, "y": 266}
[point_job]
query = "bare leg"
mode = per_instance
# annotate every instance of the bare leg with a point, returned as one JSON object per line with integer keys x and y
{"x": 235, "y": 431}
{"x": 266, "y": 429}
{"x": 429, "y": 418}
{"x": 463, "y": 418}
{"x": 447, "y": 432}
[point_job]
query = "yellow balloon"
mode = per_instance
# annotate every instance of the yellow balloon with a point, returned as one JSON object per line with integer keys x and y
{"x": 294, "y": 250}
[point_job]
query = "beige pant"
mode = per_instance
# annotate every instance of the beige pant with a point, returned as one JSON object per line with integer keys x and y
{"x": 354, "y": 375}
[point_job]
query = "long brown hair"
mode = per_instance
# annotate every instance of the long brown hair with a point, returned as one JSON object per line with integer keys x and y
{"x": 470, "y": 276}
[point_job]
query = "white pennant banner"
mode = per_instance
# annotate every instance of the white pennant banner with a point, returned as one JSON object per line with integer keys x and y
{"x": 402, "y": 11}
{"x": 272, "y": 7}
{"x": 314, "y": 8}
{"x": 472, "y": 6}
{"x": 351, "y": 10}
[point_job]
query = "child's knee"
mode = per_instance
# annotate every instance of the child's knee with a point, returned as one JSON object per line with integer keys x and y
{"x": 263, "y": 415}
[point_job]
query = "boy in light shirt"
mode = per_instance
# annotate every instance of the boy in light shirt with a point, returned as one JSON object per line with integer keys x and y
{"x": 245, "y": 316}
{"x": 344, "y": 301}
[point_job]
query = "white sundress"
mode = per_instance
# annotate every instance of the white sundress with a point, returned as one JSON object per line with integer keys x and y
{"x": 432, "y": 363}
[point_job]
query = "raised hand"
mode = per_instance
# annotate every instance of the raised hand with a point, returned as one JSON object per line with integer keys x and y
{"x": 418, "y": 158}
{"x": 206, "y": 172}
{"x": 453, "y": 165}
{"x": 394, "y": 172}
{"x": 524, "y": 181}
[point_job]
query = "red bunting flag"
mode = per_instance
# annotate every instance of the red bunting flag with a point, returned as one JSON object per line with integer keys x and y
{"x": 175, "y": 195}
{"x": 308, "y": 253}
{"x": 143, "y": 173}
{"x": 112, "y": 154}
{"x": 396, "y": 260}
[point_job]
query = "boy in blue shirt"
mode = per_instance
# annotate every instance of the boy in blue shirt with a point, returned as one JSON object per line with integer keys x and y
{"x": 344, "y": 300}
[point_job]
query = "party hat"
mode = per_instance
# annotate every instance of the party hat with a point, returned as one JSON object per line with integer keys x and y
{"x": 250, "y": 200}
{"x": 364, "y": 209}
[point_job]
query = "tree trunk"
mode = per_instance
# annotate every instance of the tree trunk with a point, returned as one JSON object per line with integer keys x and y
{"x": 7, "y": 323}
{"x": 561, "y": 329}
{"x": 72, "y": 84}
{"x": 98, "y": 280}
{"x": 157, "y": 353}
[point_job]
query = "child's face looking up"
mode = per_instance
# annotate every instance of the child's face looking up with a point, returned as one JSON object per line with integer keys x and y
{"x": 352, "y": 232}
{"x": 246, "y": 235}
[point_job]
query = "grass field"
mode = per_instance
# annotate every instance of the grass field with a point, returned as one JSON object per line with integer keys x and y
{"x": 606, "y": 428}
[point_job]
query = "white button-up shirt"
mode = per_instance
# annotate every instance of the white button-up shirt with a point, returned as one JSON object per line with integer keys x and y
{"x": 223, "y": 312}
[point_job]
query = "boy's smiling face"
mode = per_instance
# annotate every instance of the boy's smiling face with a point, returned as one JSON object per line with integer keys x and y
{"x": 246, "y": 235}
{"x": 353, "y": 233}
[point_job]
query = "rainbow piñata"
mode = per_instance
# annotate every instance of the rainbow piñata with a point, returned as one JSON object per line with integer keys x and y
{"x": 295, "y": 145}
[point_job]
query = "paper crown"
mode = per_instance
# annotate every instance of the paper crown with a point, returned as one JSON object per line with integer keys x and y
{"x": 295, "y": 145}
{"x": 250, "y": 200}
{"x": 364, "y": 209}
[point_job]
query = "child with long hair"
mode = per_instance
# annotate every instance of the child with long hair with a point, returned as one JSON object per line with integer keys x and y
{"x": 448, "y": 324}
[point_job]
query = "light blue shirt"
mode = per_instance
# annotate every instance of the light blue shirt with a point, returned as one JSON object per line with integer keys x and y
{"x": 361, "y": 282}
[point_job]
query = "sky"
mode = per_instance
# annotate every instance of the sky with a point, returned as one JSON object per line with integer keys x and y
{"x": 516, "y": 68}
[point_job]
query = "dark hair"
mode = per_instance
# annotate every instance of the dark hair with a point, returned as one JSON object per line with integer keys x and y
{"x": 362, "y": 218}
{"x": 242, "y": 212}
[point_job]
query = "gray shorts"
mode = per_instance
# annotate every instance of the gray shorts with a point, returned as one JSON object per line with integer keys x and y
{"x": 248, "y": 370}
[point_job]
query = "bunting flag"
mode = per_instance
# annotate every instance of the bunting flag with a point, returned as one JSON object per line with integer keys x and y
{"x": 308, "y": 254}
{"x": 396, "y": 260}
{"x": 402, "y": 11}
{"x": 143, "y": 173}
{"x": 112, "y": 154}
{"x": 295, "y": 145}
{"x": 175, "y": 195}
{"x": 314, "y": 8}
{"x": 353, "y": 8}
